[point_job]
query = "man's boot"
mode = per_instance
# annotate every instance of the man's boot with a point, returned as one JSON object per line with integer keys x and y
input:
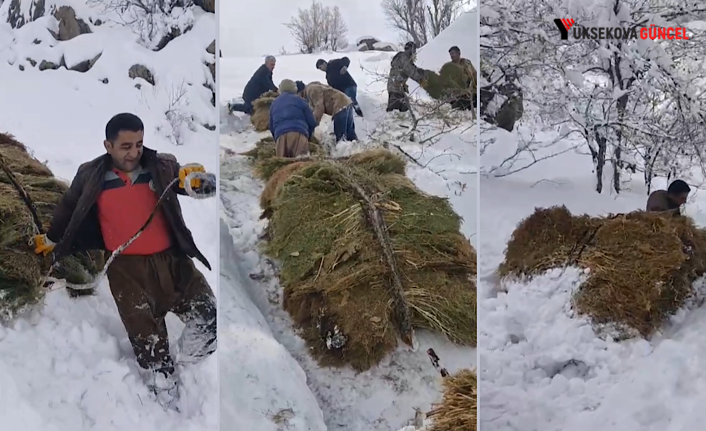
{"x": 165, "y": 386}
{"x": 357, "y": 109}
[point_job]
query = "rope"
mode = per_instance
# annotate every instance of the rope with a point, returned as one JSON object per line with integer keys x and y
{"x": 189, "y": 191}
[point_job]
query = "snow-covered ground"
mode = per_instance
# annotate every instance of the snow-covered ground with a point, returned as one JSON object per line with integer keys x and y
{"x": 268, "y": 380}
{"x": 69, "y": 365}
{"x": 544, "y": 370}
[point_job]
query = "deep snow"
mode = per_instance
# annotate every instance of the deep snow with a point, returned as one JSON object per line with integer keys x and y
{"x": 541, "y": 368}
{"x": 69, "y": 366}
{"x": 268, "y": 380}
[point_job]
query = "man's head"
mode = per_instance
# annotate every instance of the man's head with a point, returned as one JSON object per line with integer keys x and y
{"x": 300, "y": 87}
{"x": 270, "y": 62}
{"x": 455, "y": 54}
{"x": 124, "y": 134}
{"x": 321, "y": 65}
{"x": 410, "y": 47}
{"x": 287, "y": 86}
{"x": 679, "y": 191}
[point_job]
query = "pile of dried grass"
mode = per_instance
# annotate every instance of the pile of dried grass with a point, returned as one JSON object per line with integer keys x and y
{"x": 642, "y": 265}
{"x": 260, "y": 117}
{"x": 266, "y": 164}
{"x": 366, "y": 256}
{"x": 449, "y": 83}
{"x": 459, "y": 409}
{"x": 21, "y": 271}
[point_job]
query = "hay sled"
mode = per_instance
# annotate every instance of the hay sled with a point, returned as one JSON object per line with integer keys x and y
{"x": 641, "y": 266}
{"x": 366, "y": 257}
{"x": 22, "y": 272}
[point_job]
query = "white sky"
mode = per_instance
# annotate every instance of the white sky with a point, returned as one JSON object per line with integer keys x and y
{"x": 255, "y": 27}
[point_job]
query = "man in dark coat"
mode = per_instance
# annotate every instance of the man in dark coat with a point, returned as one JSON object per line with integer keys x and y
{"x": 403, "y": 68}
{"x": 465, "y": 102}
{"x": 668, "y": 201}
{"x": 110, "y": 199}
{"x": 292, "y": 121}
{"x": 337, "y": 76}
{"x": 260, "y": 83}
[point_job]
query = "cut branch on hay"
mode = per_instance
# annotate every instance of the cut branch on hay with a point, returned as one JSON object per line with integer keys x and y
{"x": 365, "y": 256}
{"x": 641, "y": 265}
{"x": 24, "y": 179}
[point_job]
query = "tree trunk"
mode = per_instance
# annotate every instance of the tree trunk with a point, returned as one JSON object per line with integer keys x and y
{"x": 599, "y": 159}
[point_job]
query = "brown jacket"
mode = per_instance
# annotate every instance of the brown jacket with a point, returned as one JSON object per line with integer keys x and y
{"x": 325, "y": 100}
{"x": 75, "y": 226}
{"x": 659, "y": 201}
{"x": 472, "y": 74}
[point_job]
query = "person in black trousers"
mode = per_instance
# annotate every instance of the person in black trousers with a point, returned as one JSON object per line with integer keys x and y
{"x": 260, "y": 83}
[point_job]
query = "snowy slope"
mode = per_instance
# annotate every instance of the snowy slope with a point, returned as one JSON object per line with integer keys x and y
{"x": 259, "y": 348}
{"x": 544, "y": 370}
{"x": 69, "y": 366}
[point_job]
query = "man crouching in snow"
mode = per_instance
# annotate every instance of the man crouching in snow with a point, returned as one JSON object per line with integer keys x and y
{"x": 327, "y": 100}
{"x": 109, "y": 200}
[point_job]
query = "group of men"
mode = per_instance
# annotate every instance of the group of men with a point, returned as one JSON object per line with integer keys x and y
{"x": 339, "y": 98}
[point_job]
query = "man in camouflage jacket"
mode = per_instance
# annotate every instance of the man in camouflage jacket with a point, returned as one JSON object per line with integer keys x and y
{"x": 402, "y": 69}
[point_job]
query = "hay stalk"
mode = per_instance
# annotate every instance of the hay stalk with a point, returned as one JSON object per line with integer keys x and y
{"x": 23, "y": 194}
{"x": 377, "y": 221}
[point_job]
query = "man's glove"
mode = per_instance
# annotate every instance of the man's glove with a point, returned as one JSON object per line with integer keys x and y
{"x": 43, "y": 245}
{"x": 344, "y": 69}
{"x": 423, "y": 83}
{"x": 188, "y": 169}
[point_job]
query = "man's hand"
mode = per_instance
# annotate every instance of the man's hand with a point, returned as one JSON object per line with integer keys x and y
{"x": 188, "y": 169}
{"x": 344, "y": 69}
{"x": 43, "y": 245}
{"x": 423, "y": 83}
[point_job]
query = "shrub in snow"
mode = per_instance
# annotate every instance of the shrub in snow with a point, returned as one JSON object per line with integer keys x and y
{"x": 385, "y": 46}
{"x": 351, "y": 292}
{"x": 140, "y": 71}
{"x": 69, "y": 26}
{"x": 369, "y": 43}
{"x": 641, "y": 266}
{"x": 22, "y": 272}
{"x": 502, "y": 102}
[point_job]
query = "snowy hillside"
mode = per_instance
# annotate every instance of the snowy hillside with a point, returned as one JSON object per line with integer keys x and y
{"x": 69, "y": 365}
{"x": 268, "y": 379}
{"x": 542, "y": 368}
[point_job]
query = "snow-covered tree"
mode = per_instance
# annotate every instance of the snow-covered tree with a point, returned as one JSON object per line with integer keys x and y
{"x": 638, "y": 103}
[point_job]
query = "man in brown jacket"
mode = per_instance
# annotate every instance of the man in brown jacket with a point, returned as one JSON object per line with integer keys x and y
{"x": 110, "y": 199}
{"x": 469, "y": 101}
{"x": 669, "y": 201}
{"x": 328, "y": 100}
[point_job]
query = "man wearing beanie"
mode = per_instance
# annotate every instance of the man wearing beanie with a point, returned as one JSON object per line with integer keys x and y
{"x": 292, "y": 122}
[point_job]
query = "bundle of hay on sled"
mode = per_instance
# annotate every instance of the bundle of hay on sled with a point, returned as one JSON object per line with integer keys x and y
{"x": 450, "y": 83}
{"x": 459, "y": 408}
{"x": 260, "y": 117}
{"x": 365, "y": 256}
{"x": 22, "y": 272}
{"x": 640, "y": 266}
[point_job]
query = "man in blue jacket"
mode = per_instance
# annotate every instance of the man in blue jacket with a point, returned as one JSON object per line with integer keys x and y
{"x": 292, "y": 122}
{"x": 337, "y": 76}
{"x": 260, "y": 83}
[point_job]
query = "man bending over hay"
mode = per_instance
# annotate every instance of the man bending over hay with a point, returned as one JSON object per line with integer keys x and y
{"x": 669, "y": 201}
{"x": 291, "y": 121}
{"x": 110, "y": 199}
{"x": 328, "y": 100}
{"x": 259, "y": 84}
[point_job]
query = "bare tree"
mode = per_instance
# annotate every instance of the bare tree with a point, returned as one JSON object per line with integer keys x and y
{"x": 421, "y": 20}
{"x": 318, "y": 28}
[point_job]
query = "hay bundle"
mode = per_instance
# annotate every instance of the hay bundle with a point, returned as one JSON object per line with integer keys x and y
{"x": 451, "y": 82}
{"x": 641, "y": 264}
{"x": 21, "y": 271}
{"x": 260, "y": 117}
{"x": 266, "y": 164}
{"x": 365, "y": 257}
{"x": 459, "y": 409}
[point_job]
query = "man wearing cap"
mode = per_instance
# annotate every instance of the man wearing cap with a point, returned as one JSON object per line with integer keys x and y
{"x": 292, "y": 121}
{"x": 403, "y": 68}
{"x": 260, "y": 83}
{"x": 337, "y": 76}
